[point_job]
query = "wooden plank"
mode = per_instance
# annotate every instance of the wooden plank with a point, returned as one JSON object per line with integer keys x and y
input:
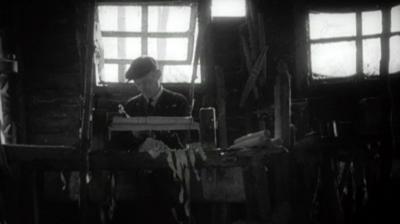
{"x": 144, "y": 3}
{"x": 359, "y": 44}
{"x": 250, "y": 83}
{"x": 221, "y": 104}
{"x": 191, "y": 35}
{"x": 119, "y": 34}
{"x": 87, "y": 107}
{"x": 197, "y": 52}
{"x": 145, "y": 11}
{"x": 262, "y": 43}
{"x": 282, "y": 101}
{"x": 385, "y": 48}
{"x": 339, "y": 39}
{"x": 160, "y": 62}
{"x": 67, "y": 158}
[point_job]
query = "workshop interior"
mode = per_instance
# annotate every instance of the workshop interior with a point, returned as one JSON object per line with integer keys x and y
{"x": 199, "y": 111}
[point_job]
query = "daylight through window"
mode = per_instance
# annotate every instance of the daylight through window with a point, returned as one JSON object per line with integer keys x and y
{"x": 165, "y": 32}
{"x": 347, "y": 44}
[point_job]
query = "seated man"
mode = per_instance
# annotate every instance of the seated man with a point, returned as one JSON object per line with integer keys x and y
{"x": 155, "y": 100}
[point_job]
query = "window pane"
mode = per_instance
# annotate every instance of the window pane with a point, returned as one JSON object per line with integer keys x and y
{"x": 121, "y": 48}
{"x": 168, "y": 48}
{"x": 110, "y": 73}
{"x": 120, "y": 18}
{"x": 169, "y": 18}
{"x": 327, "y": 25}
{"x": 371, "y": 56}
{"x": 394, "y": 63}
{"x": 371, "y": 22}
{"x": 179, "y": 73}
{"x": 334, "y": 59}
{"x": 395, "y": 19}
{"x": 228, "y": 8}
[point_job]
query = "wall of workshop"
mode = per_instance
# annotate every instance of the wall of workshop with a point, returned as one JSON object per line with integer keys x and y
{"x": 228, "y": 55}
{"x": 50, "y": 68}
{"x": 285, "y": 34}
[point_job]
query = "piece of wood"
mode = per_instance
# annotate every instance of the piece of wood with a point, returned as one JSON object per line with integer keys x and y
{"x": 248, "y": 60}
{"x": 251, "y": 81}
{"x": 249, "y": 136}
{"x": 250, "y": 142}
{"x": 87, "y": 107}
{"x": 252, "y": 26}
{"x": 208, "y": 127}
{"x": 262, "y": 43}
{"x": 221, "y": 104}
{"x": 197, "y": 53}
{"x": 282, "y": 102}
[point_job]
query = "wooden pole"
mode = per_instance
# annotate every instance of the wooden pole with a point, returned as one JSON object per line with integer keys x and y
{"x": 221, "y": 105}
{"x": 282, "y": 103}
{"x": 85, "y": 137}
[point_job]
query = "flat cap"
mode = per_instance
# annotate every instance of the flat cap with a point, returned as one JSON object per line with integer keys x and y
{"x": 140, "y": 67}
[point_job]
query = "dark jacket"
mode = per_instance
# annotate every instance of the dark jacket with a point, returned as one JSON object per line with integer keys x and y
{"x": 169, "y": 104}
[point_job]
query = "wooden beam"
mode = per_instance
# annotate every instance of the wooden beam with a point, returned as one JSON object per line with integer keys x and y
{"x": 282, "y": 103}
{"x": 359, "y": 44}
{"x": 221, "y": 104}
{"x": 160, "y": 62}
{"x": 67, "y": 158}
{"x": 251, "y": 81}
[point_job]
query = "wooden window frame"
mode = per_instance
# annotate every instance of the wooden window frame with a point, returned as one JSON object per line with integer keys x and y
{"x": 384, "y": 36}
{"x": 145, "y": 34}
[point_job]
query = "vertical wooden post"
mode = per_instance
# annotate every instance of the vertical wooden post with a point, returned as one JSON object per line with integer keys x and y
{"x": 221, "y": 105}
{"x": 86, "y": 125}
{"x": 282, "y": 103}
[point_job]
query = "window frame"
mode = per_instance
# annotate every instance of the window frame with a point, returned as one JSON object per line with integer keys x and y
{"x": 384, "y": 36}
{"x": 144, "y": 35}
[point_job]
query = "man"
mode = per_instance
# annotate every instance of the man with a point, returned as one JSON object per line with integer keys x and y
{"x": 154, "y": 99}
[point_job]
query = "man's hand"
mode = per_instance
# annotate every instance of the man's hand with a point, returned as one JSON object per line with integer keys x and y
{"x": 153, "y": 147}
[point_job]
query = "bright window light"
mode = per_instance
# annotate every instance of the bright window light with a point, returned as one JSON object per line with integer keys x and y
{"x": 169, "y": 18}
{"x": 175, "y": 73}
{"x": 120, "y": 18}
{"x": 170, "y": 38}
{"x": 329, "y": 25}
{"x": 395, "y": 19}
{"x": 112, "y": 73}
{"x": 173, "y": 49}
{"x": 371, "y": 22}
{"x": 334, "y": 59}
{"x": 228, "y": 8}
{"x": 371, "y": 56}
{"x": 130, "y": 47}
{"x": 333, "y": 38}
{"x": 394, "y": 63}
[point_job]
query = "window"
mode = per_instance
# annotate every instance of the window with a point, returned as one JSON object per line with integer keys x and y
{"x": 165, "y": 31}
{"x": 228, "y": 8}
{"x": 349, "y": 43}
